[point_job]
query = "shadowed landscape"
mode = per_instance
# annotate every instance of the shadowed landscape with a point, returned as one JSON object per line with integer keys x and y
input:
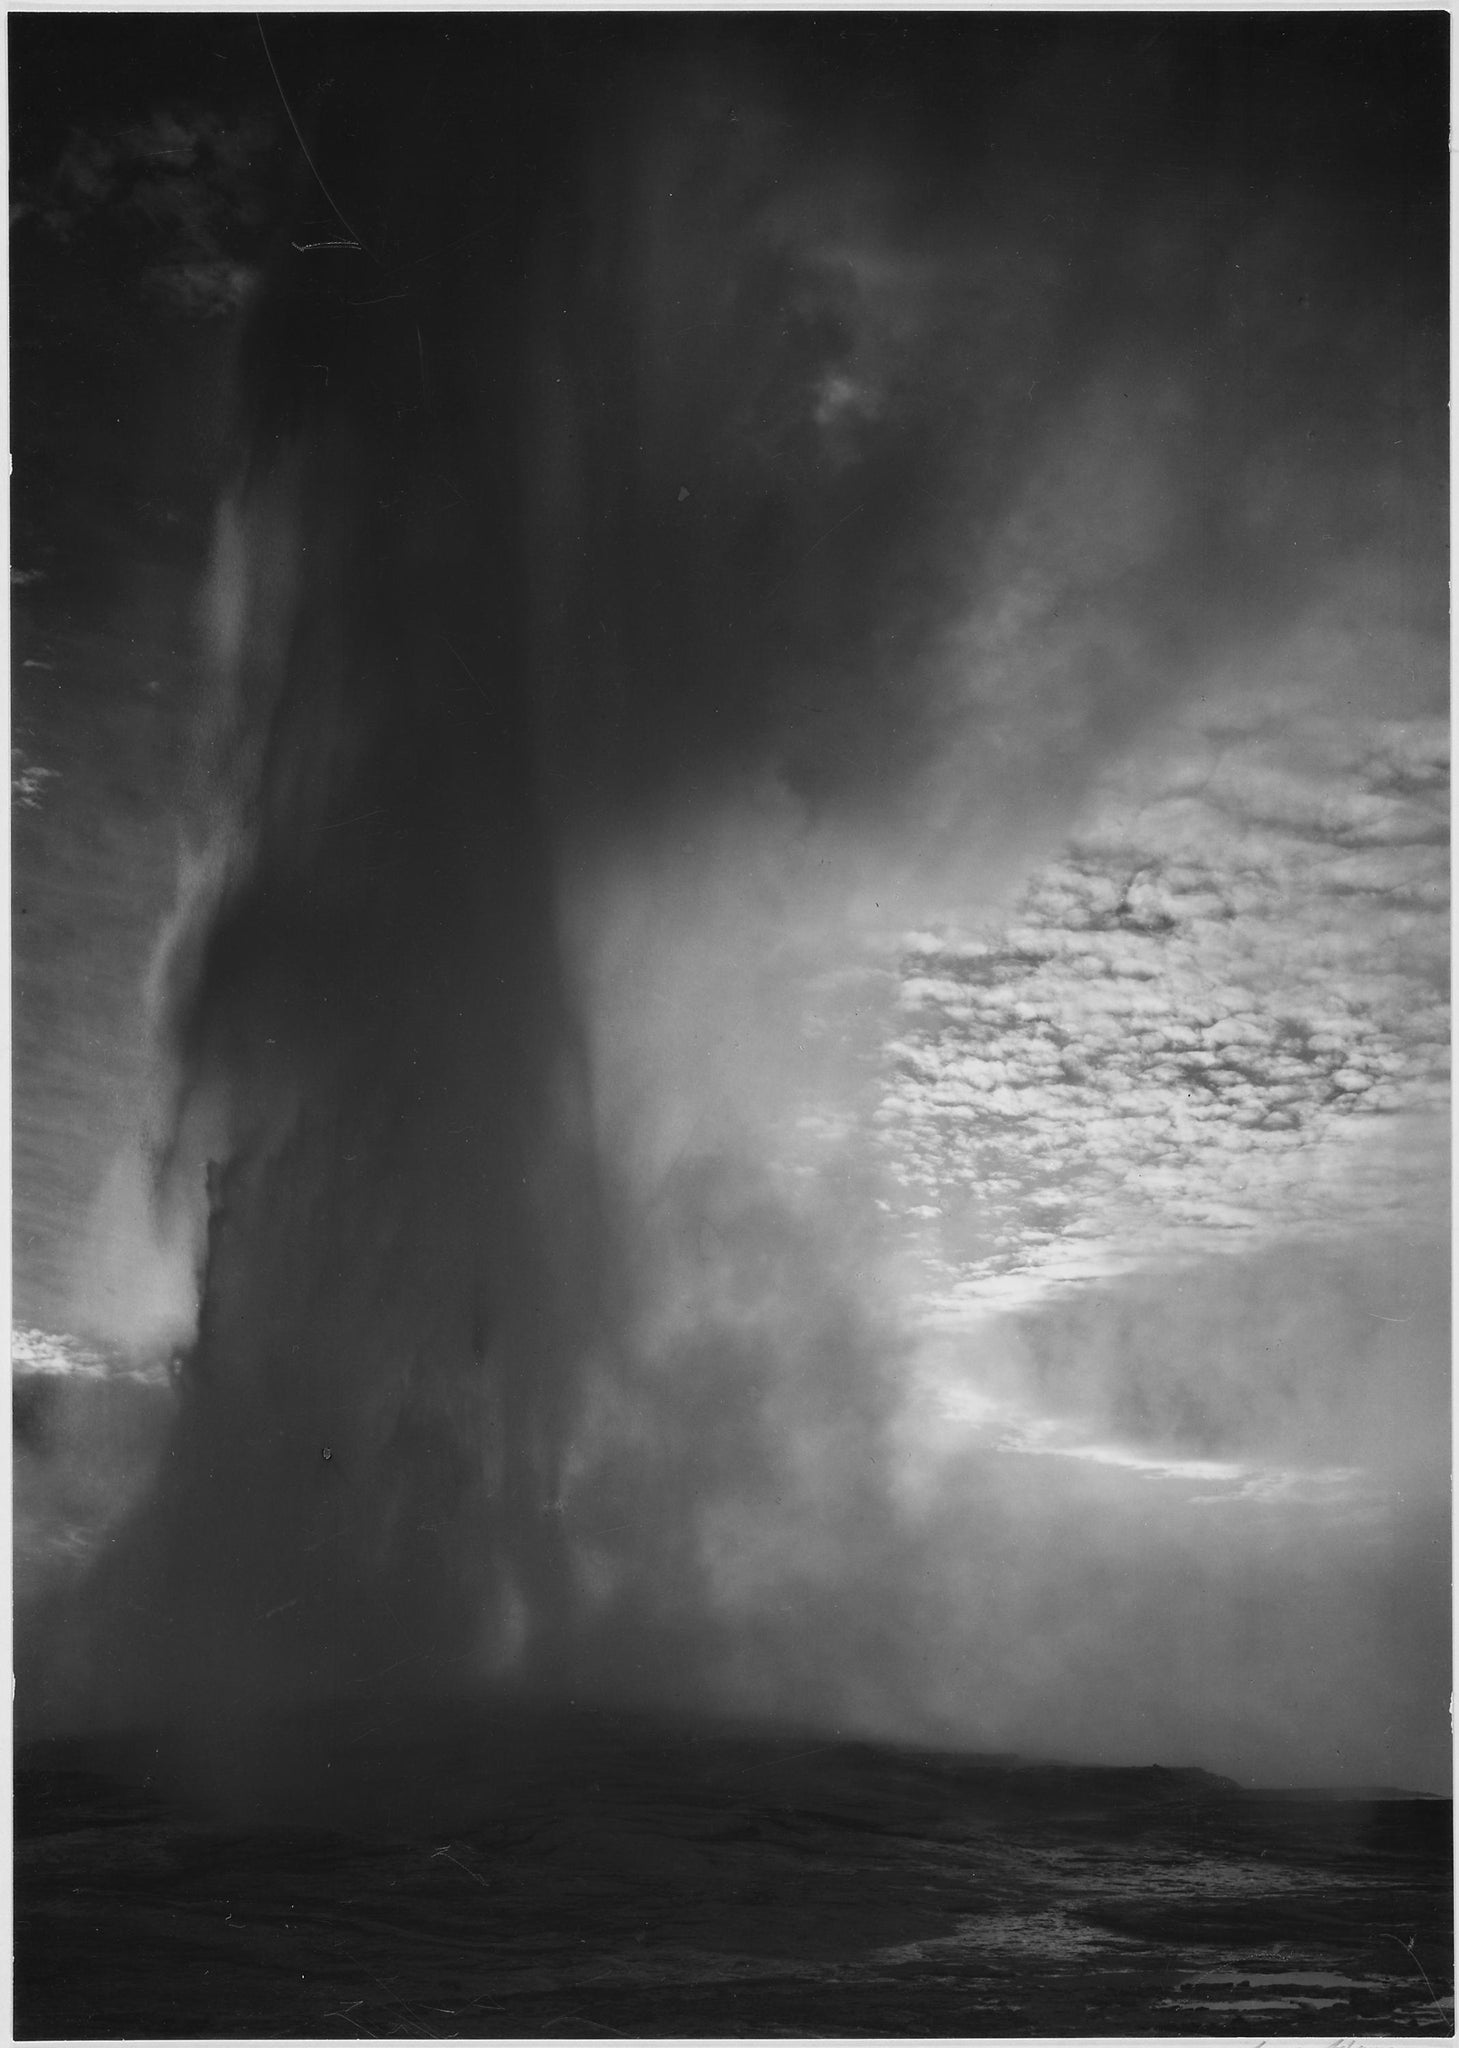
{"x": 580, "y": 1874}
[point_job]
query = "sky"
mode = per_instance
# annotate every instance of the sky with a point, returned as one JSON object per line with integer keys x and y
{"x": 925, "y": 845}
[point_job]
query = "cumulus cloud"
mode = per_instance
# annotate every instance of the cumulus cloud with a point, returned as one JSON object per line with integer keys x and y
{"x": 1217, "y": 1019}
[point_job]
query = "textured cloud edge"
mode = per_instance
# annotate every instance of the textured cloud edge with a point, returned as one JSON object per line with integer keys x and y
{"x": 1215, "y": 1021}
{"x": 43, "y": 1353}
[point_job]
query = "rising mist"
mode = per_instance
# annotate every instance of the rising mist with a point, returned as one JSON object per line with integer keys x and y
{"x": 707, "y": 497}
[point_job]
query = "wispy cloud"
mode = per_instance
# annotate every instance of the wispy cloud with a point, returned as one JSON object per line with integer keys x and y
{"x": 65, "y": 1357}
{"x": 959, "y": 1415}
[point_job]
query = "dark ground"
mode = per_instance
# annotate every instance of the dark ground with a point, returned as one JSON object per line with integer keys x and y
{"x": 582, "y": 1875}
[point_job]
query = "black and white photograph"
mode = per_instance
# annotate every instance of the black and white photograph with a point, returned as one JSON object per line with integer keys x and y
{"x": 730, "y": 939}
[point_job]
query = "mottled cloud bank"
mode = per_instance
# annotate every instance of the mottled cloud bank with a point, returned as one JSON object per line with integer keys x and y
{"x": 1217, "y": 1020}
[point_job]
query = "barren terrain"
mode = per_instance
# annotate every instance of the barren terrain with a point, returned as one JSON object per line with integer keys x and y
{"x": 584, "y": 1874}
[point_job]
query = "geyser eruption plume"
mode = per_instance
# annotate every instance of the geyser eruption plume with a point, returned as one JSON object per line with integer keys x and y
{"x": 454, "y": 666}
{"x": 701, "y": 504}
